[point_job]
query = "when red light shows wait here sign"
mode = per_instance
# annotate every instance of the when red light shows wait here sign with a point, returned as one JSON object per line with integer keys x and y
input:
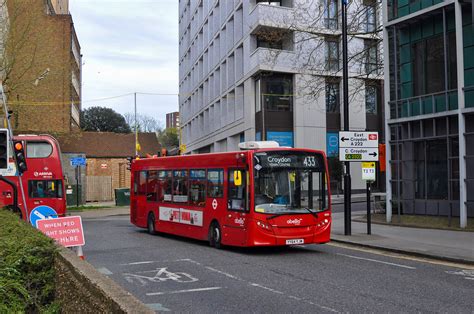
{"x": 67, "y": 231}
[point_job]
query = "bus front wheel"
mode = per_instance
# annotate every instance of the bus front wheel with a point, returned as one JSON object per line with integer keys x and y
{"x": 215, "y": 235}
{"x": 151, "y": 224}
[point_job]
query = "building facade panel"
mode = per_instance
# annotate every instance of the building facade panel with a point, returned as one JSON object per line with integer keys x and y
{"x": 251, "y": 70}
{"x": 428, "y": 116}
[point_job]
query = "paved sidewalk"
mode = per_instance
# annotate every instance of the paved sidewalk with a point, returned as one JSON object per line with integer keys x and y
{"x": 99, "y": 213}
{"x": 456, "y": 246}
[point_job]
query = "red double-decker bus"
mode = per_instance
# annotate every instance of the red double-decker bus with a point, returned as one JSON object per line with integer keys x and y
{"x": 43, "y": 181}
{"x": 257, "y": 197}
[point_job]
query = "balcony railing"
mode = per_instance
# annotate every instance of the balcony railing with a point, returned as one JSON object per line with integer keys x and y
{"x": 425, "y": 104}
{"x": 272, "y": 59}
{"x": 272, "y": 16}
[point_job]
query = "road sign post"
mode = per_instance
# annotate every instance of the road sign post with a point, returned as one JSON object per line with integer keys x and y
{"x": 78, "y": 162}
{"x": 359, "y": 146}
{"x": 368, "y": 174}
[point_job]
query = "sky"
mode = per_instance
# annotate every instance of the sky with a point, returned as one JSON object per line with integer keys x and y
{"x": 128, "y": 46}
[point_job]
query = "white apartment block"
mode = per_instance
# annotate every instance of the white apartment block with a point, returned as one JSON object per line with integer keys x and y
{"x": 271, "y": 70}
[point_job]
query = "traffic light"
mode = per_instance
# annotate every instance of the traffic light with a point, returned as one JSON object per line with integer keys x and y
{"x": 20, "y": 157}
{"x": 3, "y": 148}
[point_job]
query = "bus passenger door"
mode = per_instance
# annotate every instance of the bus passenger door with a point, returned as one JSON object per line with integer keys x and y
{"x": 236, "y": 220}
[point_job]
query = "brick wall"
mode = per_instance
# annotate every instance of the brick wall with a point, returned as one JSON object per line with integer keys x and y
{"x": 45, "y": 106}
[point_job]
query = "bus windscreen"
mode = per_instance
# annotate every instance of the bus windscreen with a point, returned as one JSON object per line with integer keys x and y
{"x": 289, "y": 182}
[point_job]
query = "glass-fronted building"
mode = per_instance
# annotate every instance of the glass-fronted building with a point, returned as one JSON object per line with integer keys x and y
{"x": 429, "y": 99}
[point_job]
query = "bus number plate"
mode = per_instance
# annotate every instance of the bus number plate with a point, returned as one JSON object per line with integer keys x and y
{"x": 295, "y": 241}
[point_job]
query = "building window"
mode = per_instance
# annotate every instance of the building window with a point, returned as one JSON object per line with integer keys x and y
{"x": 428, "y": 65}
{"x": 371, "y": 94}
{"x": 258, "y": 96}
{"x": 270, "y": 2}
{"x": 332, "y": 97}
{"x": 332, "y": 55}
{"x": 371, "y": 18}
{"x": 331, "y": 14}
{"x": 277, "y": 92}
{"x": 371, "y": 56}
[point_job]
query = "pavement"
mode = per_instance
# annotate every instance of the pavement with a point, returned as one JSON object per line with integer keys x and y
{"x": 454, "y": 246}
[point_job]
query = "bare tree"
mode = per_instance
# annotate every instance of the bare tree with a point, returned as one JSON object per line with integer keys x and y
{"x": 145, "y": 123}
{"x": 313, "y": 35}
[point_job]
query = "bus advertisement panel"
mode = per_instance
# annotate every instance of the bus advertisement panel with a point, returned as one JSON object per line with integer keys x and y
{"x": 42, "y": 182}
{"x": 262, "y": 197}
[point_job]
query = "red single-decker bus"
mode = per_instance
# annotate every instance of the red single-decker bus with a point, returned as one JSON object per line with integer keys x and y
{"x": 257, "y": 197}
{"x": 43, "y": 181}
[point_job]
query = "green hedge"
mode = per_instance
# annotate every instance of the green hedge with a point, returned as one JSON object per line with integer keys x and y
{"x": 26, "y": 267}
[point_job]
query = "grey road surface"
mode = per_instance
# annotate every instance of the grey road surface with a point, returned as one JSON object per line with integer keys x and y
{"x": 182, "y": 275}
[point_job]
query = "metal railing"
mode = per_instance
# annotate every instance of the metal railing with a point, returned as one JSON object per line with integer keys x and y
{"x": 424, "y": 104}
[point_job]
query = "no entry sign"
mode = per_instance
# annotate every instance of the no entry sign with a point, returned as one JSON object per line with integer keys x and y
{"x": 67, "y": 231}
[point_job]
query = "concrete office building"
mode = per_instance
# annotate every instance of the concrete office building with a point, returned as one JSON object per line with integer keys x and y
{"x": 429, "y": 74}
{"x": 271, "y": 70}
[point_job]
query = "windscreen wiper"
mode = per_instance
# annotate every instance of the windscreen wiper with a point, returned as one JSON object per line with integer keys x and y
{"x": 280, "y": 214}
{"x": 312, "y": 213}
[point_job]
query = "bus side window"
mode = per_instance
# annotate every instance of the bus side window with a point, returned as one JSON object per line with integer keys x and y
{"x": 164, "y": 192}
{"x": 237, "y": 189}
{"x": 197, "y": 187}
{"x": 180, "y": 186}
{"x": 152, "y": 186}
{"x": 215, "y": 183}
{"x": 140, "y": 183}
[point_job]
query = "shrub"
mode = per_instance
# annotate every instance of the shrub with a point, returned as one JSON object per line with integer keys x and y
{"x": 26, "y": 267}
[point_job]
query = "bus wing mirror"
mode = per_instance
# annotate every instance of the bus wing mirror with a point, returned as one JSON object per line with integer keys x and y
{"x": 237, "y": 177}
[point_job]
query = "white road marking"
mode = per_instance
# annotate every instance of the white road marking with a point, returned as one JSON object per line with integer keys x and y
{"x": 463, "y": 272}
{"x": 353, "y": 247}
{"x": 266, "y": 288}
{"x": 377, "y": 261}
{"x": 104, "y": 271}
{"x": 138, "y": 263}
{"x": 159, "y": 275}
{"x": 158, "y": 307}
{"x": 223, "y": 273}
{"x": 184, "y": 291}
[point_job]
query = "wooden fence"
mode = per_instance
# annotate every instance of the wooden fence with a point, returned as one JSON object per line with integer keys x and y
{"x": 99, "y": 189}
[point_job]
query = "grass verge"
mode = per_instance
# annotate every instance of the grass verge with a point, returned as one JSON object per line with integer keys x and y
{"x": 26, "y": 268}
{"x": 86, "y": 207}
{"x": 419, "y": 221}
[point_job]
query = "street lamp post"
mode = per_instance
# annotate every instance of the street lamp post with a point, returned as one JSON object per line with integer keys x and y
{"x": 345, "y": 95}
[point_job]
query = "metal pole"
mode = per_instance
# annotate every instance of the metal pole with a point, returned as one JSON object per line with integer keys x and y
{"x": 20, "y": 181}
{"x": 369, "y": 218}
{"x": 345, "y": 80}
{"x": 136, "y": 126}
{"x": 77, "y": 185}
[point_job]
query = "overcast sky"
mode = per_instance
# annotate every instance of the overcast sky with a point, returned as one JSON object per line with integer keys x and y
{"x": 128, "y": 46}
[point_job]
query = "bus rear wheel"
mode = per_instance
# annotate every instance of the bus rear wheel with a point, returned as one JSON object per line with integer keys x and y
{"x": 151, "y": 224}
{"x": 215, "y": 235}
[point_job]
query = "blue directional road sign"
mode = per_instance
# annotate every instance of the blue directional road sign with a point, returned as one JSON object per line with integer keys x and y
{"x": 78, "y": 161}
{"x": 42, "y": 212}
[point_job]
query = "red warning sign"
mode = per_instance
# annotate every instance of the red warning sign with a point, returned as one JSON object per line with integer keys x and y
{"x": 67, "y": 231}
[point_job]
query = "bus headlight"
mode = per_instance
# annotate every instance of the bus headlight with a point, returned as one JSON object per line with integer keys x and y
{"x": 263, "y": 225}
